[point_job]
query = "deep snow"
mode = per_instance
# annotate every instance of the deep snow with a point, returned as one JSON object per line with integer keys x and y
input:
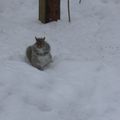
{"x": 83, "y": 81}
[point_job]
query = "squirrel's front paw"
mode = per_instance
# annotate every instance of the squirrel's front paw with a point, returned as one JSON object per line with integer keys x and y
{"x": 40, "y": 68}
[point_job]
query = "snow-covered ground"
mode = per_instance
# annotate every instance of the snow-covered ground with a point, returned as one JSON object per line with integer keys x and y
{"x": 82, "y": 83}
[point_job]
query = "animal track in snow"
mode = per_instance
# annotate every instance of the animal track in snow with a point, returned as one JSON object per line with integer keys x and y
{"x": 39, "y": 104}
{"x": 104, "y": 1}
{"x": 108, "y": 1}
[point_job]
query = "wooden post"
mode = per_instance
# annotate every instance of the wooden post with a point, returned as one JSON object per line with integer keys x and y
{"x": 42, "y": 11}
{"x": 49, "y": 10}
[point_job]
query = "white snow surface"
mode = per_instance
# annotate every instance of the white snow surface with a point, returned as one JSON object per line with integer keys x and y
{"x": 82, "y": 83}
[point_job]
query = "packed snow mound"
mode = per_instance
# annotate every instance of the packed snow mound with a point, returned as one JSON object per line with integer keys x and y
{"x": 79, "y": 91}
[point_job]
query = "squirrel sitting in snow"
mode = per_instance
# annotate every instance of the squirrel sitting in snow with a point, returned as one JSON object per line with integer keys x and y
{"x": 39, "y": 54}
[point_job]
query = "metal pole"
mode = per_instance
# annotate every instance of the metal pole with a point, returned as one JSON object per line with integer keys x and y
{"x": 69, "y": 18}
{"x": 79, "y": 1}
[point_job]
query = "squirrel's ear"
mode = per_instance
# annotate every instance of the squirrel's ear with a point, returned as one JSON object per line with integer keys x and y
{"x": 36, "y": 38}
{"x": 44, "y": 38}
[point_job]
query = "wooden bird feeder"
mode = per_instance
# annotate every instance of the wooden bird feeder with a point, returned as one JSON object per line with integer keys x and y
{"x": 49, "y": 10}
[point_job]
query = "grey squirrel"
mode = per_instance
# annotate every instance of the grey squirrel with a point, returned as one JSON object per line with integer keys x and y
{"x": 39, "y": 54}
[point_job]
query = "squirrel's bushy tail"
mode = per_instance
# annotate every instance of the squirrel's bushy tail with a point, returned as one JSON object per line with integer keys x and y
{"x": 29, "y": 53}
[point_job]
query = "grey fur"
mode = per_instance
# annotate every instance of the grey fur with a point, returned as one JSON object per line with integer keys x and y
{"x": 39, "y": 57}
